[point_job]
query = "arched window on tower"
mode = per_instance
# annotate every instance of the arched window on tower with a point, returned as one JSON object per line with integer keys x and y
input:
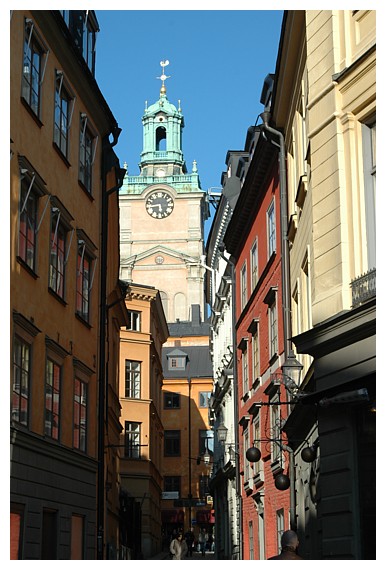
{"x": 165, "y": 303}
{"x": 160, "y": 138}
{"x": 180, "y": 306}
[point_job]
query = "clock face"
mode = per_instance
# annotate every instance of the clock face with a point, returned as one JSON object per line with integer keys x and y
{"x": 160, "y": 172}
{"x": 159, "y": 204}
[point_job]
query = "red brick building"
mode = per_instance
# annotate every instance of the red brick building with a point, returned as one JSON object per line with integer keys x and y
{"x": 253, "y": 239}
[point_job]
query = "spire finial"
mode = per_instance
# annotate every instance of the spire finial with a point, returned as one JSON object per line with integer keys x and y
{"x": 163, "y": 77}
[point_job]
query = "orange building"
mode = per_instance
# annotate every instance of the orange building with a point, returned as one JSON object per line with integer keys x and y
{"x": 64, "y": 256}
{"x": 142, "y": 438}
{"x": 188, "y": 439}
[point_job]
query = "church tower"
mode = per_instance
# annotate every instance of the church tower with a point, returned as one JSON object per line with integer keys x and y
{"x": 162, "y": 214}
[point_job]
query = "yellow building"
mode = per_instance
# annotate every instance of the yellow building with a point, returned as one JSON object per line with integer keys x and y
{"x": 142, "y": 438}
{"x": 64, "y": 175}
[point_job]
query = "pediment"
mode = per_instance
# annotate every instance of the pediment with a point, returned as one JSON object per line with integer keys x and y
{"x": 169, "y": 256}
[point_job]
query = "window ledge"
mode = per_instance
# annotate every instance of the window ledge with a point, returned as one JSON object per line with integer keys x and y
{"x": 27, "y": 267}
{"x": 62, "y": 156}
{"x": 57, "y": 297}
{"x": 82, "y": 320}
{"x": 86, "y": 191}
{"x": 27, "y": 106}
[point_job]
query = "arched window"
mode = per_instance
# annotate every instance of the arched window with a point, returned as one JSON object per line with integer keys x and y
{"x": 180, "y": 307}
{"x": 160, "y": 138}
{"x": 165, "y": 303}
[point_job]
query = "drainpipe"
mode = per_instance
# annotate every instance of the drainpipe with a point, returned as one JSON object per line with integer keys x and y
{"x": 286, "y": 284}
{"x": 283, "y": 231}
{"x": 109, "y": 160}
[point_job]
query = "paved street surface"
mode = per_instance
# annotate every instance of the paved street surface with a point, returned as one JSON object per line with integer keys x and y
{"x": 196, "y": 556}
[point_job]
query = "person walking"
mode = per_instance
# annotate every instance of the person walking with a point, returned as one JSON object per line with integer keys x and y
{"x": 178, "y": 548}
{"x": 202, "y": 540}
{"x": 289, "y": 545}
{"x": 189, "y": 539}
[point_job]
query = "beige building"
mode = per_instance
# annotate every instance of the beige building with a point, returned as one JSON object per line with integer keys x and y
{"x": 142, "y": 437}
{"x": 324, "y": 102}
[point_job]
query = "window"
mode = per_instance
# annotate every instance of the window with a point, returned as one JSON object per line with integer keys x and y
{"x": 254, "y": 266}
{"x": 52, "y": 411}
{"x": 271, "y": 226}
{"x": 247, "y": 465}
{"x": 64, "y": 105}
{"x": 58, "y": 247}
{"x": 206, "y": 441}
{"x": 133, "y": 440}
{"x": 276, "y": 432}
{"x": 27, "y": 224}
{"x": 84, "y": 280}
{"x": 21, "y": 381}
{"x": 370, "y": 169}
{"x": 258, "y": 465}
{"x": 279, "y": 526}
{"x": 203, "y": 485}
{"x": 203, "y": 399}
{"x": 256, "y": 354}
{"x": 77, "y": 537}
{"x": 172, "y": 483}
{"x": 171, "y": 401}
{"x": 306, "y": 310}
{"x": 244, "y": 365}
{"x": 243, "y": 285}
{"x": 49, "y": 537}
{"x": 16, "y": 526}
{"x": 134, "y": 321}
{"x": 80, "y": 414}
{"x": 250, "y": 538}
{"x": 272, "y": 314}
{"x": 261, "y": 541}
{"x": 32, "y": 188}
{"x": 177, "y": 360}
{"x": 87, "y": 149}
{"x": 83, "y": 27}
{"x": 172, "y": 443}
{"x": 34, "y": 63}
{"x": 132, "y": 379}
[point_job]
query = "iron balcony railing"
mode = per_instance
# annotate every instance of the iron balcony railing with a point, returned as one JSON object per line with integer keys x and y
{"x": 363, "y": 288}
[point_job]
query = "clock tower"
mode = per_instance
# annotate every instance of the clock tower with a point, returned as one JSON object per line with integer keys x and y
{"x": 162, "y": 214}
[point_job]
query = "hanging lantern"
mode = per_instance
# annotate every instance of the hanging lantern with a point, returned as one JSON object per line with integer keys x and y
{"x": 308, "y": 454}
{"x": 282, "y": 482}
{"x": 253, "y": 454}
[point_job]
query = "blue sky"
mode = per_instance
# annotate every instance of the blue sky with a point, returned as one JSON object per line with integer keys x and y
{"x": 218, "y": 62}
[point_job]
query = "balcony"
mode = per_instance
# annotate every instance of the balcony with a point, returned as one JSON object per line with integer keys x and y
{"x": 363, "y": 288}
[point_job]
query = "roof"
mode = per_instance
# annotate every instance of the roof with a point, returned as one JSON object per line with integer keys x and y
{"x": 199, "y": 363}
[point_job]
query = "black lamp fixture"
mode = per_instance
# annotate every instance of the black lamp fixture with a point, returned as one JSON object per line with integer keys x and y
{"x": 253, "y": 454}
{"x": 282, "y": 482}
{"x": 292, "y": 370}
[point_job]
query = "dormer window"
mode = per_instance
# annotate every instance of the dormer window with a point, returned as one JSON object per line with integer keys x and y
{"x": 177, "y": 360}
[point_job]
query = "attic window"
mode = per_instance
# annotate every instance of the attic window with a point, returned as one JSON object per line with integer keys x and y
{"x": 177, "y": 360}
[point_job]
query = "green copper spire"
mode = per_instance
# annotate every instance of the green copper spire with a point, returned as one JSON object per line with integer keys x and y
{"x": 162, "y": 134}
{"x": 162, "y": 159}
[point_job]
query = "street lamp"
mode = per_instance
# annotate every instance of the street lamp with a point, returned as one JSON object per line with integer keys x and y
{"x": 292, "y": 371}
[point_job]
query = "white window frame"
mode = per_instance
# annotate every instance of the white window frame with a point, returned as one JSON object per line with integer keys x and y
{"x": 273, "y": 328}
{"x": 243, "y": 285}
{"x": 254, "y": 265}
{"x": 271, "y": 229}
